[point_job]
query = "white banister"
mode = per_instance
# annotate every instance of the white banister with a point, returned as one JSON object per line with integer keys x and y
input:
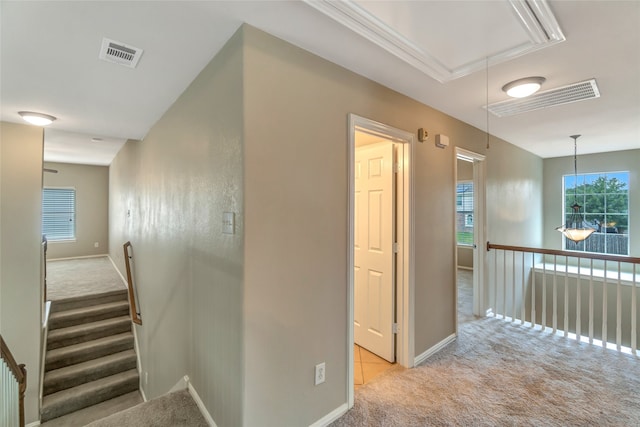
{"x": 510, "y": 290}
{"x": 522, "y": 294}
{"x": 604, "y": 308}
{"x": 618, "y": 312}
{"x": 578, "y": 304}
{"x": 565, "y": 325}
{"x": 634, "y": 347}
{"x": 591, "y": 302}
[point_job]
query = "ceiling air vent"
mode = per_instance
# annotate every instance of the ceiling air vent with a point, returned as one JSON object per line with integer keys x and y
{"x": 120, "y": 53}
{"x": 549, "y": 98}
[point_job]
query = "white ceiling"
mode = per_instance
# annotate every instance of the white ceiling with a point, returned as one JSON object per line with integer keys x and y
{"x": 432, "y": 51}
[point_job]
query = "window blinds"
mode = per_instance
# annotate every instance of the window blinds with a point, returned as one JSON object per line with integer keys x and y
{"x": 59, "y": 213}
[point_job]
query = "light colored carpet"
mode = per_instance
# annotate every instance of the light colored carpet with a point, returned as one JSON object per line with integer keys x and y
{"x": 171, "y": 410}
{"x": 500, "y": 374}
{"x": 79, "y": 277}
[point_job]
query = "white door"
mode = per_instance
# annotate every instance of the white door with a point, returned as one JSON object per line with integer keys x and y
{"x": 374, "y": 276}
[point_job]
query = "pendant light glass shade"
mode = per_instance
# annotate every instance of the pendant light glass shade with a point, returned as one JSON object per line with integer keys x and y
{"x": 576, "y": 229}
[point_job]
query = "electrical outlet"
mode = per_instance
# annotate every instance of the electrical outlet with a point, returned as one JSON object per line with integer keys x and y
{"x": 320, "y": 373}
{"x": 146, "y": 378}
{"x": 96, "y": 245}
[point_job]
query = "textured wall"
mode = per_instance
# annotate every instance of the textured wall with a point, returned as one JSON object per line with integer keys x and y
{"x": 296, "y": 222}
{"x": 168, "y": 194}
{"x": 263, "y": 132}
{"x": 20, "y": 251}
{"x": 92, "y": 208}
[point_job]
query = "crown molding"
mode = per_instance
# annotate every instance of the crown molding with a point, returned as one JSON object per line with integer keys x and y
{"x": 535, "y": 16}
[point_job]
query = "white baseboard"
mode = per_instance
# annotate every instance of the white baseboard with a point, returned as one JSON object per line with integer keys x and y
{"x": 331, "y": 416}
{"x": 433, "y": 350}
{"x": 180, "y": 385}
{"x": 462, "y": 267}
{"x": 33, "y": 424}
{"x": 194, "y": 394}
{"x": 78, "y": 257}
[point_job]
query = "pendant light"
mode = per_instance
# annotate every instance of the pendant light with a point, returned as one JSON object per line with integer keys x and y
{"x": 575, "y": 228}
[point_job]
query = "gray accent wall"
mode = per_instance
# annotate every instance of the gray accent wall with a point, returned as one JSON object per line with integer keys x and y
{"x": 20, "y": 251}
{"x": 262, "y": 132}
{"x": 555, "y": 168}
{"x": 92, "y": 208}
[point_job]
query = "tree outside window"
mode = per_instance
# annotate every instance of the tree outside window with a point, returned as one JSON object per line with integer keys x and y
{"x": 604, "y": 198}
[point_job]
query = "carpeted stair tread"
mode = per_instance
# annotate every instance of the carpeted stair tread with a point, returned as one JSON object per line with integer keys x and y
{"x": 77, "y": 353}
{"x": 80, "y": 373}
{"x": 88, "y": 300}
{"x": 91, "y": 393}
{"x": 76, "y": 316}
{"x": 86, "y": 332}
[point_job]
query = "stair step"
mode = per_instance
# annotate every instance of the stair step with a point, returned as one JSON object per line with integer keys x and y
{"x": 80, "y": 373}
{"x": 87, "y": 332}
{"x": 91, "y": 393}
{"x": 88, "y": 300}
{"x": 77, "y": 316}
{"x": 77, "y": 353}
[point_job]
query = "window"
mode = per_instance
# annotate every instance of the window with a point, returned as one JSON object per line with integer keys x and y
{"x": 59, "y": 213}
{"x": 604, "y": 198}
{"x": 464, "y": 213}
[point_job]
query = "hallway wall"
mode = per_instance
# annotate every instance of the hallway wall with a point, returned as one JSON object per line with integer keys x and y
{"x": 167, "y": 196}
{"x": 20, "y": 251}
{"x": 262, "y": 132}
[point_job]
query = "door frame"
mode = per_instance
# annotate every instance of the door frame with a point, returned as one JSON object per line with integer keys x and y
{"x": 404, "y": 235}
{"x": 480, "y": 231}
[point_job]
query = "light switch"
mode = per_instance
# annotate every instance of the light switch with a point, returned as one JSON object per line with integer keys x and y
{"x": 228, "y": 223}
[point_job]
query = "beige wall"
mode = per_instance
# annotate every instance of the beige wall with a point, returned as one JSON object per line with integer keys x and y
{"x": 167, "y": 196}
{"x": 92, "y": 208}
{"x": 20, "y": 253}
{"x": 263, "y": 132}
{"x": 555, "y": 168}
{"x": 296, "y": 222}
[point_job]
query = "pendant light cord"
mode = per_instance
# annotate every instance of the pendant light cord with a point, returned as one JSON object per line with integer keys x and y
{"x": 487, "y": 96}
{"x": 575, "y": 167}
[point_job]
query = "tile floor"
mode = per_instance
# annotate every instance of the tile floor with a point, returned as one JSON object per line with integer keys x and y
{"x": 367, "y": 365}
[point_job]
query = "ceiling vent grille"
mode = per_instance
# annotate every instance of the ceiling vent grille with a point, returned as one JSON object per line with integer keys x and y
{"x": 549, "y": 98}
{"x": 120, "y": 53}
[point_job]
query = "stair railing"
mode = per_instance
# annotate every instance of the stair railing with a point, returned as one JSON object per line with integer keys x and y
{"x": 14, "y": 384}
{"x": 135, "y": 314}
{"x": 586, "y": 296}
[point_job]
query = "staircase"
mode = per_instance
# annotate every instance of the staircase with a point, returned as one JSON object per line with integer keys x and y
{"x": 90, "y": 355}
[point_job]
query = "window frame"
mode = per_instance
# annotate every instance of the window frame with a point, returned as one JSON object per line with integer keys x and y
{"x": 460, "y": 210}
{"x": 581, "y": 247}
{"x": 72, "y": 214}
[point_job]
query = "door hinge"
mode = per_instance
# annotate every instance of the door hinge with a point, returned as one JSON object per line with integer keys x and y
{"x": 396, "y": 248}
{"x": 396, "y": 167}
{"x": 394, "y": 328}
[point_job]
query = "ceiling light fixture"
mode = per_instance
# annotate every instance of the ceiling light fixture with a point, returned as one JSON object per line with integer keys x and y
{"x": 522, "y": 88}
{"x": 575, "y": 229}
{"x": 37, "y": 119}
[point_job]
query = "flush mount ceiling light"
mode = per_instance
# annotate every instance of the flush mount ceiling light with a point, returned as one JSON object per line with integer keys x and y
{"x": 37, "y": 119}
{"x": 575, "y": 229}
{"x": 522, "y": 88}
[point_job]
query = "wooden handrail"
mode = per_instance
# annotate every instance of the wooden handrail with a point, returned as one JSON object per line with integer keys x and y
{"x": 19, "y": 371}
{"x": 135, "y": 316}
{"x": 588, "y": 255}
